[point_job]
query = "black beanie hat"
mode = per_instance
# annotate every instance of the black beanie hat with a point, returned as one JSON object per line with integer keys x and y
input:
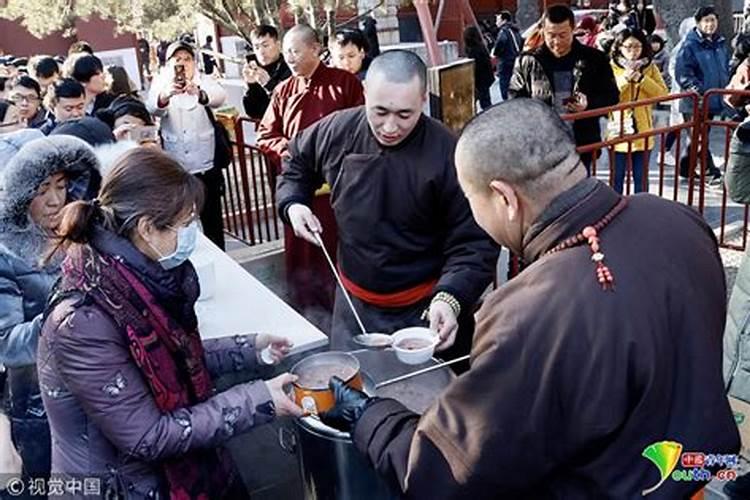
{"x": 92, "y": 130}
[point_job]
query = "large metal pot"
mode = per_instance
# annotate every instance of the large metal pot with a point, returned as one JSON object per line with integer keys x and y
{"x": 330, "y": 465}
{"x": 311, "y": 390}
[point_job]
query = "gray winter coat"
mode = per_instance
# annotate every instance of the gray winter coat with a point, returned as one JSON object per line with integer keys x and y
{"x": 737, "y": 330}
{"x": 24, "y": 282}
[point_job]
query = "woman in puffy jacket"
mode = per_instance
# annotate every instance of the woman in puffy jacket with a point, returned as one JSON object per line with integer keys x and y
{"x": 40, "y": 178}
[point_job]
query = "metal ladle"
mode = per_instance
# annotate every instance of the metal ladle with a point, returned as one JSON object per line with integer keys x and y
{"x": 341, "y": 284}
{"x": 422, "y": 371}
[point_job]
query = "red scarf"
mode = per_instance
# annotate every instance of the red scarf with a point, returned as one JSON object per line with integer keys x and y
{"x": 170, "y": 358}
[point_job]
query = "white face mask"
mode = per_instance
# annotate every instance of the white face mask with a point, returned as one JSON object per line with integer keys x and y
{"x": 186, "y": 241}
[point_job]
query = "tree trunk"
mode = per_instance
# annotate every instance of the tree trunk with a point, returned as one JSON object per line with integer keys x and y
{"x": 528, "y": 13}
{"x": 673, "y": 12}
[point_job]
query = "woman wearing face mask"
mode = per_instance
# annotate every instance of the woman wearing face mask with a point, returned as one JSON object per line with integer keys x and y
{"x": 39, "y": 176}
{"x": 638, "y": 78}
{"x": 128, "y": 382}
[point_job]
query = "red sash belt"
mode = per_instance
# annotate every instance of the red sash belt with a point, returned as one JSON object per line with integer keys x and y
{"x": 396, "y": 299}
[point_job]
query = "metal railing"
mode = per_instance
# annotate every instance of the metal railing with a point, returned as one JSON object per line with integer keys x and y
{"x": 666, "y": 183}
{"x": 249, "y": 201}
{"x": 731, "y": 218}
{"x": 250, "y": 206}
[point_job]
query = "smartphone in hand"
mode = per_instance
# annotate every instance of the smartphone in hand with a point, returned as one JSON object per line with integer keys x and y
{"x": 179, "y": 75}
{"x": 147, "y": 133}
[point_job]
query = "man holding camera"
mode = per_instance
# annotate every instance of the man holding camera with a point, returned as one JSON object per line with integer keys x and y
{"x": 567, "y": 75}
{"x": 183, "y": 98}
{"x": 264, "y": 70}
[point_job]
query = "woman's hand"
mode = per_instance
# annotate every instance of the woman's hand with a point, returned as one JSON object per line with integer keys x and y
{"x": 123, "y": 131}
{"x": 283, "y": 402}
{"x": 278, "y": 348}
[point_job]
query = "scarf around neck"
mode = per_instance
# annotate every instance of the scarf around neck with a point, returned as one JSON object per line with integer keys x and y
{"x": 169, "y": 355}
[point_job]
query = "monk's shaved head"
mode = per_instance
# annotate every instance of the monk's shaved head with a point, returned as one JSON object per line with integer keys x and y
{"x": 398, "y": 66}
{"x": 519, "y": 141}
{"x": 512, "y": 161}
{"x": 303, "y": 33}
{"x": 301, "y": 50}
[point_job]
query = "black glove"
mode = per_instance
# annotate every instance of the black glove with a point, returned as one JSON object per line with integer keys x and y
{"x": 350, "y": 405}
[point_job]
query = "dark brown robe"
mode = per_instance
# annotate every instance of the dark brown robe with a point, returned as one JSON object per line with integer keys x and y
{"x": 569, "y": 383}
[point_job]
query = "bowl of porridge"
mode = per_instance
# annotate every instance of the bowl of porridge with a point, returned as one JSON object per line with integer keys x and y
{"x": 414, "y": 345}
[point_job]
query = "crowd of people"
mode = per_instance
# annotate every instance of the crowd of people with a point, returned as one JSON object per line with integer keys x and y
{"x": 624, "y": 57}
{"x": 104, "y": 189}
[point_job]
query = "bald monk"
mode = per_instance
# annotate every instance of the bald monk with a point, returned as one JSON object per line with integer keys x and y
{"x": 313, "y": 91}
{"x": 410, "y": 252}
{"x": 578, "y": 364}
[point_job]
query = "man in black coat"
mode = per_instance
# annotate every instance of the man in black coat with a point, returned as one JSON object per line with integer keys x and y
{"x": 567, "y": 76}
{"x": 508, "y": 46}
{"x": 265, "y": 72}
{"x": 409, "y": 249}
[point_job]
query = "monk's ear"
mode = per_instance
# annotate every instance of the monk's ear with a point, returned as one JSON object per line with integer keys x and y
{"x": 505, "y": 194}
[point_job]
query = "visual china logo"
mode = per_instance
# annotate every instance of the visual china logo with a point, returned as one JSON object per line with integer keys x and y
{"x": 666, "y": 455}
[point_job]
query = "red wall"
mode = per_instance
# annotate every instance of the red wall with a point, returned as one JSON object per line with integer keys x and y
{"x": 14, "y": 39}
{"x": 101, "y": 34}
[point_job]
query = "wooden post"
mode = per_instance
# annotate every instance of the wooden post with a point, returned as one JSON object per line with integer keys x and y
{"x": 428, "y": 32}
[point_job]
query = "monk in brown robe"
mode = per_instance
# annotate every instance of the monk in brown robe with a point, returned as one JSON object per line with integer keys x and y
{"x": 312, "y": 92}
{"x": 609, "y": 341}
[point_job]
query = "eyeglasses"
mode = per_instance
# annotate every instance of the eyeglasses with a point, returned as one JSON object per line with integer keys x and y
{"x": 632, "y": 46}
{"x": 18, "y": 98}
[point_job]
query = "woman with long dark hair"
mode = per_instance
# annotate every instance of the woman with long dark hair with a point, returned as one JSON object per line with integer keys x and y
{"x": 475, "y": 48}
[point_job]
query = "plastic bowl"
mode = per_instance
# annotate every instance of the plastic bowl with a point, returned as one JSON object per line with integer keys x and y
{"x": 416, "y": 353}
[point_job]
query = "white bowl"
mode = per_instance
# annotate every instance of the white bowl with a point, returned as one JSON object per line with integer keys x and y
{"x": 419, "y": 355}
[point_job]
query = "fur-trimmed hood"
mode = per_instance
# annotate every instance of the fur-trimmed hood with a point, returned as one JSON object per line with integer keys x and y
{"x": 21, "y": 178}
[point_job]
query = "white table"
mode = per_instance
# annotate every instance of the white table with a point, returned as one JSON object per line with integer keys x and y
{"x": 241, "y": 304}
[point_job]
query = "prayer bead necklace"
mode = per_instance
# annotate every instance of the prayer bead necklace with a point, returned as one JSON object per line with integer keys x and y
{"x": 590, "y": 235}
